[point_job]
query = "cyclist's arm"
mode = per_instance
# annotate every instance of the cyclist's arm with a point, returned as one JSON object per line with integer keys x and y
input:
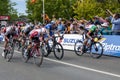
{"x": 48, "y": 33}
{"x": 88, "y": 35}
{"x": 58, "y": 32}
{"x": 6, "y": 36}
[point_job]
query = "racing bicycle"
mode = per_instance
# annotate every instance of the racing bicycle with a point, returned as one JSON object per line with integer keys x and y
{"x": 94, "y": 48}
{"x": 9, "y": 51}
{"x": 35, "y": 52}
{"x": 54, "y": 46}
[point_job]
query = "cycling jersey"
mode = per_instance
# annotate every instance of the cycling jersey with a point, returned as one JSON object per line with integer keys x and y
{"x": 93, "y": 28}
{"x": 27, "y": 29}
{"x": 10, "y": 31}
{"x": 93, "y": 31}
{"x": 37, "y": 32}
{"x": 50, "y": 29}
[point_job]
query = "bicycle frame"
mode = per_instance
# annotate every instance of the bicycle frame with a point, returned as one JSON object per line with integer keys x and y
{"x": 54, "y": 42}
{"x": 34, "y": 48}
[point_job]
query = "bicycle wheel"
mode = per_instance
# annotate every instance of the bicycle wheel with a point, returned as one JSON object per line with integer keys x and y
{"x": 46, "y": 50}
{"x": 96, "y": 50}
{"x": 38, "y": 57}
{"x": 58, "y": 51}
{"x": 78, "y": 48}
{"x": 25, "y": 55}
{"x": 9, "y": 52}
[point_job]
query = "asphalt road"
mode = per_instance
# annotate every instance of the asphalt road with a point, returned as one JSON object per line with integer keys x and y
{"x": 71, "y": 67}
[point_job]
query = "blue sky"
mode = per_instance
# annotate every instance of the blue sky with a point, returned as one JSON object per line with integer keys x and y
{"x": 21, "y": 6}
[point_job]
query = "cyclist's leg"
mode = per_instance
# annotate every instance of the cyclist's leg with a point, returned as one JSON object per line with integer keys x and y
{"x": 46, "y": 39}
{"x": 5, "y": 44}
{"x": 84, "y": 44}
{"x": 6, "y": 40}
{"x": 32, "y": 39}
{"x": 19, "y": 42}
{"x": 23, "y": 40}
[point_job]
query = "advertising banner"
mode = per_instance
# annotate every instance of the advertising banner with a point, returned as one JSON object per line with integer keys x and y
{"x": 4, "y": 18}
{"x": 111, "y": 43}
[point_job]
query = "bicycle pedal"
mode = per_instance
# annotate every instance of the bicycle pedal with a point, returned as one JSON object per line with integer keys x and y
{"x": 96, "y": 49}
{"x": 35, "y": 55}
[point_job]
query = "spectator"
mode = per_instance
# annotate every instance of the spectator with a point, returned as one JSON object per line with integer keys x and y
{"x": 68, "y": 28}
{"x": 96, "y": 20}
{"x": 60, "y": 27}
{"x": 54, "y": 18}
{"x": 74, "y": 27}
{"x": 116, "y": 24}
{"x": 106, "y": 30}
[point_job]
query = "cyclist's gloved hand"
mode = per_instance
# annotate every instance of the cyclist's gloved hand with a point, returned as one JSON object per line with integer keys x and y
{"x": 99, "y": 36}
{"x": 92, "y": 39}
{"x": 61, "y": 37}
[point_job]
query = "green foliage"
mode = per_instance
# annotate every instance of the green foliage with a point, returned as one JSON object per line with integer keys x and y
{"x": 6, "y": 8}
{"x": 59, "y": 8}
{"x": 90, "y": 8}
{"x": 71, "y": 8}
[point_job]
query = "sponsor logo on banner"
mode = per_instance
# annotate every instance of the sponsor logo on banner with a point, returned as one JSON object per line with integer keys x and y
{"x": 111, "y": 47}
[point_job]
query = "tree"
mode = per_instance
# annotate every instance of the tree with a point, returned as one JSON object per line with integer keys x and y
{"x": 85, "y": 8}
{"x": 90, "y": 8}
{"x": 6, "y": 8}
{"x": 59, "y": 8}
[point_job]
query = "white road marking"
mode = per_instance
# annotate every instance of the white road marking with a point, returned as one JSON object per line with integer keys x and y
{"x": 78, "y": 66}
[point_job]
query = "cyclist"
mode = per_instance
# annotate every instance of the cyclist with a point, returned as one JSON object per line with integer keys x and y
{"x": 9, "y": 31}
{"x": 93, "y": 31}
{"x": 25, "y": 33}
{"x": 51, "y": 27}
{"x": 36, "y": 35}
{"x": 83, "y": 31}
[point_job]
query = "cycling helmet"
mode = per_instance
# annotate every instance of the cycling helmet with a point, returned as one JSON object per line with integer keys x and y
{"x": 81, "y": 27}
{"x": 13, "y": 28}
{"x": 43, "y": 30}
{"x": 52, "y": 22}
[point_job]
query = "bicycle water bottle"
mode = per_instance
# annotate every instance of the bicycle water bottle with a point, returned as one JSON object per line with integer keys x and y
{"x": 50, "y": 42}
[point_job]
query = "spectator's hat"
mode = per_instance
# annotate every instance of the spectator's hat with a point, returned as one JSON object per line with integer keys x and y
{"x": 52, "y": 22}
{"x": 74, "y": 23}
{"x": 104, "y": 24}
{"x": 96, "y": 17}
{"x": 82, "y": 21}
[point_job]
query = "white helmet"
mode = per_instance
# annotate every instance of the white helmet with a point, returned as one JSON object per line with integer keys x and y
{"x": 43, "y": 30}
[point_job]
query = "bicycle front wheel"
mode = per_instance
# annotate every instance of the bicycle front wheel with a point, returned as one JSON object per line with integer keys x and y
{"x": 78, "y": 48}
{"x": 25, "y": 55}
{"x": 9, "y": 52}
{"x": 38, "y": 57}
{"x": 58, "y": 51}
{"x": 96, "y": 50}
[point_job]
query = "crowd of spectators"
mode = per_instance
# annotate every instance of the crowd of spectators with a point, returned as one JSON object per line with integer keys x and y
{"x": 71, "y": 26}
{"x": 108, "y": 26}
